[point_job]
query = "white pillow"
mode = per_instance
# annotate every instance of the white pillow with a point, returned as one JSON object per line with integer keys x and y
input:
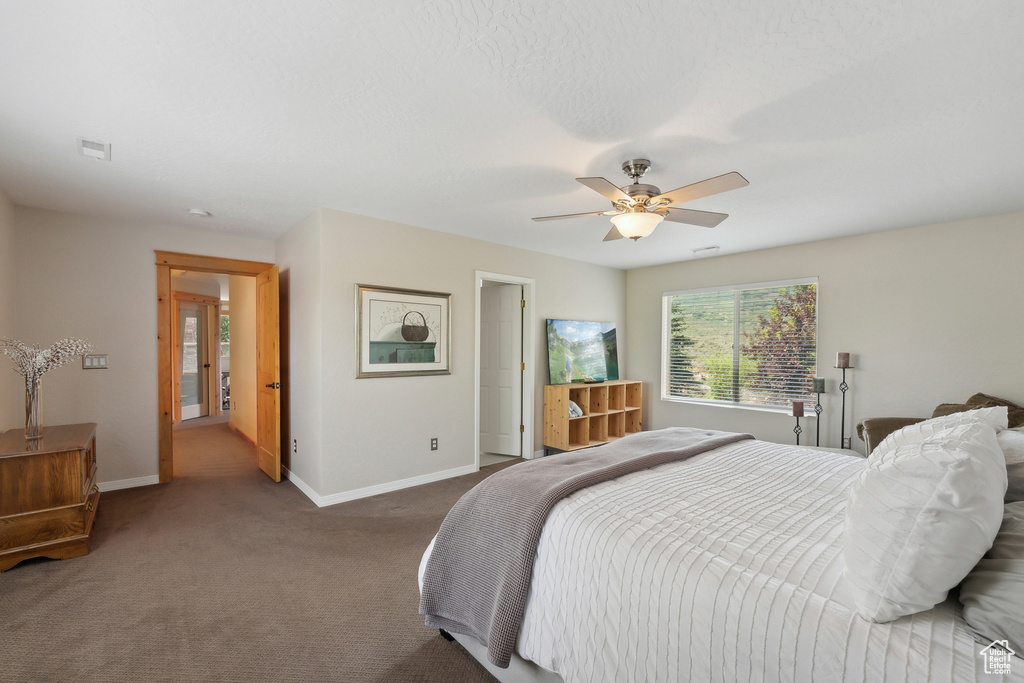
{"x": 921, "y": 515}
{"x": 1012, "y": 443}
{"x": 993, "y": 593}
{"x": 996, "y": 417}
{"x": 1015, "y": 483}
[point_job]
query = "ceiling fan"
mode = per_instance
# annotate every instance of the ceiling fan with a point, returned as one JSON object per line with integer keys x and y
{"x": 638, "y": 208}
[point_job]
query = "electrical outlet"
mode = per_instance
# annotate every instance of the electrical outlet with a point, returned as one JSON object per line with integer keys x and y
{"x": 295, "y": 445}
{"x": 433, "y": 444}
{"x": 846, "y": 442}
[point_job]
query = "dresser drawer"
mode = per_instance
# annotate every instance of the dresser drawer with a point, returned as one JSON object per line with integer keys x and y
{"x": 30, "y": 528}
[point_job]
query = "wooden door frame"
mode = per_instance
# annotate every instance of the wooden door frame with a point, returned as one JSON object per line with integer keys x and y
{"x": 165, "y": 262}
{"x": 212, "y": 346}
{"x": 529, "y": 355}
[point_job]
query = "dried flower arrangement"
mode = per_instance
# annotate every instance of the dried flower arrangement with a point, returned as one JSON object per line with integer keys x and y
{"x": 32, "y": 363}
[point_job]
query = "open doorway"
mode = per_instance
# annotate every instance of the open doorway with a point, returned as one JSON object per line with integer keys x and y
{"x": 199, "y": 301}
{"x": 196, "y": 392}
{"x": 193, "y": 378}
{"x": 505, "y": 368}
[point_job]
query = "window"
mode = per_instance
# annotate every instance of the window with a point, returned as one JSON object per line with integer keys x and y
{"x": 752, "y": 345}
{"x": 225, "y": 334}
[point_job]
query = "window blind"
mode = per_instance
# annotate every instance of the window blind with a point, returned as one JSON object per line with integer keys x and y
{"x": 751, "y": 344}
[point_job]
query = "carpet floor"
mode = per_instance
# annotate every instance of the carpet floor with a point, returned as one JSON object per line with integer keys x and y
{"x": 223, "y": 575}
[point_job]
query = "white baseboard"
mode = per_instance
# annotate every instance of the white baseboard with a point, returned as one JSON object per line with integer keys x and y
{"x": 538, "y": 454}
{"x": 345, "y": 496}
{"x": 300, "y": 485}
{"x": 321, "y": 501}
{"x": 128, "y": 483}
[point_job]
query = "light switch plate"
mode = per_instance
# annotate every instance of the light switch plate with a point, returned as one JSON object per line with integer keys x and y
{"x": 94, "y": 361}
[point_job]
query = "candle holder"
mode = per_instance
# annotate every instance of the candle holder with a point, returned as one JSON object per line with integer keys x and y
{"x": 817, "y": 412}
{"x": 798, "y": 412}
{"x": 819, "y": 389}
{"x": 843, "y": 387}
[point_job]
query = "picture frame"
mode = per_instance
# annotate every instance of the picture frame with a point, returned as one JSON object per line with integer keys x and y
{"x": 402, "y": 332}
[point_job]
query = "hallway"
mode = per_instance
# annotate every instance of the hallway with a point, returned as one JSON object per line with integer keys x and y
{"x": 208, "y": 447}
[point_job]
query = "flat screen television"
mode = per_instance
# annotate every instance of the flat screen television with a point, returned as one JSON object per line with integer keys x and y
{"x": 581, "y": 351}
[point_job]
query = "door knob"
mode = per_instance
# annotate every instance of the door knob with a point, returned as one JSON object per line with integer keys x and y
{"x": 206, "y": 365}
{"x": 275, "y": 385}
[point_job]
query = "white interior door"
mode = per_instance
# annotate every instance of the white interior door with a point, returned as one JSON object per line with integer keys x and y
{"x": 501, "y": 373}
{"x": 194, "y": 361}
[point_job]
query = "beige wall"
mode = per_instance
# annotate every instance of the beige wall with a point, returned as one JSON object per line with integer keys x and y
{"x": 376, "y": 431}
{"x": 96, "y": 278}
{"x": 930, "y": 315}
{"x": 11, "y": 388}
{"x": 242, "y": 300}
{"x": 301, "y": 264}
{"x": 198, "y": 284}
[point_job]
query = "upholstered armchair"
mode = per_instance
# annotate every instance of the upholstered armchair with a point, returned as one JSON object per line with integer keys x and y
{"x": 872, "y": 430}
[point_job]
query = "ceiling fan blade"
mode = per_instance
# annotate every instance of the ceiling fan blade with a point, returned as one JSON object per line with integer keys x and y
{"x": 705, "y": 219}
{"x": 606, "y": 188}
{"x": 574, "y": 215}
{"x": 705, "y": 188}
{"x": 613, "y": 234}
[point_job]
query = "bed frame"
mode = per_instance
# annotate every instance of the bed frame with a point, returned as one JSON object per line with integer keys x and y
{"x": 519, "y": 670}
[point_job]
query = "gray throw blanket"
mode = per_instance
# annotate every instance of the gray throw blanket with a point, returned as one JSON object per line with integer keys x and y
{"x": 476, "y": 579}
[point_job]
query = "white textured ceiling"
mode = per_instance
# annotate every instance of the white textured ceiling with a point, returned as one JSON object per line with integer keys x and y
{"x": 471, "y": 117}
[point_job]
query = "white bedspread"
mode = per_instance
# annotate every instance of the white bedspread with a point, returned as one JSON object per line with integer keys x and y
{"x": 725, "y": 567}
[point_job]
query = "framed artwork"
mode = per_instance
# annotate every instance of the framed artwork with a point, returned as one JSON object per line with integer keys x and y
{"x": 402, "y": 332}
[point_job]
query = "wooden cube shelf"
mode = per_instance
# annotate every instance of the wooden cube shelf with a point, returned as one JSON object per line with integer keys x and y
{"x": 616, "y": 397}
{"x": 611, "y": 410}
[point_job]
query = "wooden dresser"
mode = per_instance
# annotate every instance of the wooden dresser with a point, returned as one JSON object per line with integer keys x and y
{"x": 48, "y": 493}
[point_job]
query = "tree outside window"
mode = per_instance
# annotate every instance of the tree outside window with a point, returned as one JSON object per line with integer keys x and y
{"x": 225, "y": 335}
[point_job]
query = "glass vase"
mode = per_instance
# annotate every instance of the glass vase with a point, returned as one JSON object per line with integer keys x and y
{"x": 33, "y": 418}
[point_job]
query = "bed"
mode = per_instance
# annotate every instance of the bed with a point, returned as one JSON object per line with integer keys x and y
{"x": 727, "y": 565}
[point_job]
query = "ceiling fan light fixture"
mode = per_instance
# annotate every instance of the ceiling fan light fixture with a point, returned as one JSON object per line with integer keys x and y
{"x": 637, "y": 209}
{"x": 635, "y": 225}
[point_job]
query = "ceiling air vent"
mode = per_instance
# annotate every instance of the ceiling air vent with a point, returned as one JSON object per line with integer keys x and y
{"x": 706, "y": 251}
{"x": 94, "y": 149}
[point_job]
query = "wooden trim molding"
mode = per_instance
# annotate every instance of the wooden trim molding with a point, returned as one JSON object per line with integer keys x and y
{"x": 165, "y": 261}
{"x": 165, "y": 371}
{"x": 213, "y": 352}
{"x": 213, "y": 347}
{"x": 196, "y": 298}
{"x": 176, "y": 354}
{"x": 210, "y": 264}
